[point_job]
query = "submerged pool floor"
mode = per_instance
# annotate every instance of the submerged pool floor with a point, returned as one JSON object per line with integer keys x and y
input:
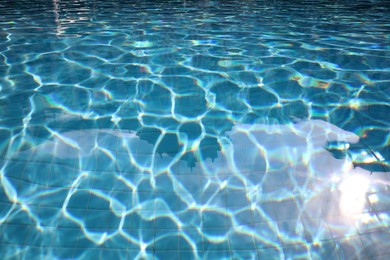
{"x": 194, "y": 130}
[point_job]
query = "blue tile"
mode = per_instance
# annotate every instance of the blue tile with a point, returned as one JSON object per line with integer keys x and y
{"x": 22, "y": 218}
{"x": 296, "y": 252}
{"x": 65, "y": 253}
{"x": 204, "y": 136}
{"x": 79, "y": 199}
{"x": 108, "y": 141}
{"x": 263, "y": 212}
{"x": 164, "y": 219}
{"x": 291, "y": 232}
{"x": 65, "y": 222}
{"x": 14, "y": 169}
{"x": 214, "y": 219}
{"x": 236, "y": 198}
{"x": 217, "y": 254}
{"x": 158, "y": 254}
{"x": 170, "y": 199}
{"x": 266, "y": 235}
{"x": 66, "y": 237}
{"x": 104, "y": 181}
{"x": 144, "y": 235}
{"x": 16, "y": 234}
{"x": 324, "y": 250}
{"x": 61, "y": 176}
{"x": 123, "y": 198}
{"x": 316, "y": 229}
{"x": 4, "y": 197}
{"x": 98, "y": 202}
{"x": 190, "y": 219}
{"x": 135, "y": 220}
{"x": 375, "y": 243}
{"x": 215, "y": 199}
{"x": 243, "y": 217}
{"x": 216, "y": 239}
{"x": 147, "y": 200}
{"x": 100, "y": 219}
{"x": 270, "y": 253}
{"x": 286, "y": 209}
{"x": 36, "y": 173}
{"x": 47, "y": 216}
{"x": 245, "y": 254}
{"x": 350, "y": 248}
{"x": 164, "y": 183}
{"x": 124, "y": 164}
{"x": 53, "y": 198}
{"x": 114, "y": 254}
{"x": 105, "y": 162}
{"x": 85, "y": 242}
{"x": 190, "y": 183}
{"x": 187, "y": 200}
{"x": 4, "y": 209}
{"x": 241, "y": 239}
{"x": 87, "y": 163}
{"x": 30, "y": 252}
{"x": 166, "y": 240}
{"x": 41, "y": 238}
{"x": 189, "y": 254}
{"x": 191, "y": 238}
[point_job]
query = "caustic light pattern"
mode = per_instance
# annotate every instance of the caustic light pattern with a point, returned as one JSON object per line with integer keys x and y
{"x": 194, "y": 130}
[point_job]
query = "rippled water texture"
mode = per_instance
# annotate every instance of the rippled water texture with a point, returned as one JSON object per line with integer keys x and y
{"x": 194, "y": 129}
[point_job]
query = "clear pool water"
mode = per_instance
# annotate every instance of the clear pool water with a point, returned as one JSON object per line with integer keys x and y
{"x": 194, "y": 129}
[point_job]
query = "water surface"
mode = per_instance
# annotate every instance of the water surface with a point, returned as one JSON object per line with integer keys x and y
{"x": 194, "y": 129}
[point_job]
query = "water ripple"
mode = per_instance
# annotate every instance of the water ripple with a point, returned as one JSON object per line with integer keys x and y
{"x": 189, "y": 129}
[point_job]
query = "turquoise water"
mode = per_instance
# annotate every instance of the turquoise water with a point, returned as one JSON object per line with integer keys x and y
{"x": 194, "y": 129}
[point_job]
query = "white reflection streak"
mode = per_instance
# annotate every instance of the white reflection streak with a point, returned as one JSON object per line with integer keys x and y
{"x": 57, "y": 17}
{"x": 353, "y": 195}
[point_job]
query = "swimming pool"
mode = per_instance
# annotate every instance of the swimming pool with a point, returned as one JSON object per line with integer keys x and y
{"x": 194, "y": 129}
